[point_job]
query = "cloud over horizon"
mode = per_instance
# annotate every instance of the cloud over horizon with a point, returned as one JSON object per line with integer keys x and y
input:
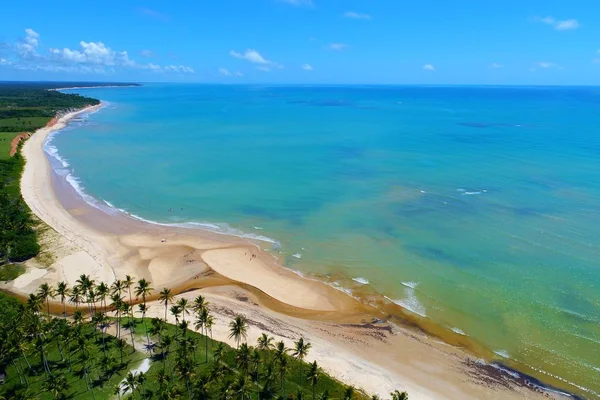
{"x": 559, "y": 25}
{"x": 90, "y": 57}
{"x": 255, "y": 57}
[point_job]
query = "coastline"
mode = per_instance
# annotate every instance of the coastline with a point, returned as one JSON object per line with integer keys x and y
{"x": 377, "y": 357}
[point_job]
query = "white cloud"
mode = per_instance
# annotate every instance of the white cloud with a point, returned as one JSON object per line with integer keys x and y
{"x": 338, "y": 46}
{"x": 559, "y": 25}
{"x": 147, "y": 53}
{"x": 355, "y": 15}
{"x": 224, "y": 72}
{"x": 566, "y": 25}
{"x": 428, "y": 67}
{"x": 255, "y": 57}
{"x": 90, "y": 57}
{"x": 28, "y": 47}
{"x": 496, "y": 65}
{"x": 307, "y": 67}
{"x": 250, "y": 55}
{"x": 545, "y": 65}
{"x": 182, "y": 69}
{"x": 238, "y": 73}
{"x": 4, "y": 61}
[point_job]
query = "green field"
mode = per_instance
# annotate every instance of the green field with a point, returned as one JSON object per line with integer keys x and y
{"x": 5, "y": 139}
{"x": 23, "y": 124}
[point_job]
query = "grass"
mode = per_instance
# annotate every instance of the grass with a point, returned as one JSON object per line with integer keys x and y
{"x": 23, "y": 124}
{"x": 104, "y": 382}
{"x": 5, "y": 139}
{"x": 10, "y": 272}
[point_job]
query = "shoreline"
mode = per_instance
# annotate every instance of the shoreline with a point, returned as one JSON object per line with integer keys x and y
{"x": 109, "y": 248}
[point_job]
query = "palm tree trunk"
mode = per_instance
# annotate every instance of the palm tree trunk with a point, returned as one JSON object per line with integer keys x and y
{"x": 26, "y": 360}
{"x": 146, "y": 327}
{"x": 64, "y": 308}
{"x": 18, "y": 371}
{"x": 62, "y": 357}
{"x": 48, "y": 305}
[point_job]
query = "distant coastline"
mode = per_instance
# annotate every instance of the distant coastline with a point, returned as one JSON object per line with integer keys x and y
{"x": 97, "y": 86}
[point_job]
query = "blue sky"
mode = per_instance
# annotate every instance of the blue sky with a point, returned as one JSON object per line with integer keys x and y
{"x": 303, "y": 41}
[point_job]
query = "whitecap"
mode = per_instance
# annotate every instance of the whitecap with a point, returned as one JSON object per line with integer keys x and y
{"x": 297, "y": 255}
{"x": 258, "y": 228}
{"x": 361, "y": 280}
{"x": 505, "y": 370}
{"x": 502, "y": 353}
{"x": 411, "y": 285}
{"x": 471, "y": 193}
{"x": 410, "y": 302}
{"x": 459, "y": 331}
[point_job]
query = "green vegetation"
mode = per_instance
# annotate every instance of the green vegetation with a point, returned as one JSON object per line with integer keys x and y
{"x": 10, "y": 272}
{"x": 5, "y": 140}
{"x": 73, "y": 357}
{"x": 23, "y": 124}
{"x": 24, "y": 107}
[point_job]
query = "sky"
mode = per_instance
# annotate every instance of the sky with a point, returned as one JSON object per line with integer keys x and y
{"x": 510, "y": 42}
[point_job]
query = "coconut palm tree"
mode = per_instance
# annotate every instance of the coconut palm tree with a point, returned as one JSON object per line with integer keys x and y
{"x": 63, "y": 291}
{"x": 184, "y": 307}
{"x": 165, "y": 296}
{"x": 76, "y": 296}
{"x": 57, "y": 386}
{"x": 34, "y": 303}
{"x": 348, "y": 393}
{"x": 265, "y": 342}
{"x": 127, "y": 284}
{"x": 199, "y": 304}
{"x": 238, "y": 329}
{"x": 130, "y": 383}
{"x": 141, "y": 379}
{"x": 117, "y": 305}
{"x": 397, "y": 395}
{"x": 280, "y": 350}
{"x": 117, "y": 288}
{"x": 128, "y": 310}
{"x": 142, "y": 307}
{"x": 101, "y": 292}
{"x": 282, "y": 369}
{"x": 241, "y": 387}
{"x": 176, "y": 312}
{"x": 242, "y": 358}
{"x": 313, "y": 376}
{"x": 45, "y": 292}
{"x": 300, "y": 351}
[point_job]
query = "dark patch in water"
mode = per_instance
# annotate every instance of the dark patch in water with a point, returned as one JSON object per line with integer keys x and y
{"x": 293, "y": 212}
{"x": 436, "y": 254}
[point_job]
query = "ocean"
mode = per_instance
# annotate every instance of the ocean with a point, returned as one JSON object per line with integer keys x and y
{"x": 477, "y": 208}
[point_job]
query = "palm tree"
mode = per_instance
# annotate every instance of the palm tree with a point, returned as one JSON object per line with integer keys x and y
{"x": 34, "y": 303}
{"x": 143, "y": 310}
{"x": 200, "y": 303}
{"x": 301, "y": 349}
{"x": 165, "y": 296}
{"x": 141, "y": 378}
{"x": 56, "y": 385}
{"x": 117, "y": 305}
{"x": 175, "y": 311}
{"x": 130, "y": 383}
{"x": 62, "y": 290}
{"x": 238, "y": 329}
{"x": 397, "y": 395}
{"x": 324, "y": 395}
{"x": 184, "y": 307}
{"x": 313, "y": 376}
{"x": 117, "y": 287}
{"x": 265, "y": 342}
{"x": 241, "y": 387}
{"x": 280, "y": 350}
{"x": 128, "y": 310}
{"x": 101, "y": 292}
{"x": 127, "y": 284}
{"x": 283, "y": 368}
{"x": 45, "y": 292}
{"x": 76, "y": 296}
{"x": 348, "y": 393}
{"x": 242, "y": 358}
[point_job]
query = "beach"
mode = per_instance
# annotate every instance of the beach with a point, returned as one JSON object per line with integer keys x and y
{"x": 351, "y": 340}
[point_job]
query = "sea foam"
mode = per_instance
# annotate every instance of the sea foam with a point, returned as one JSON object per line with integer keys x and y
{"x": 361, "y": 280}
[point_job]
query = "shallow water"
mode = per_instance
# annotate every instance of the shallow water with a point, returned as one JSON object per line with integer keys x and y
{"x": 477, "y": 207}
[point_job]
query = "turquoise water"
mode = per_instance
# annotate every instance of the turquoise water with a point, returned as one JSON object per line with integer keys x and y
{"x": 476, "y": 207}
